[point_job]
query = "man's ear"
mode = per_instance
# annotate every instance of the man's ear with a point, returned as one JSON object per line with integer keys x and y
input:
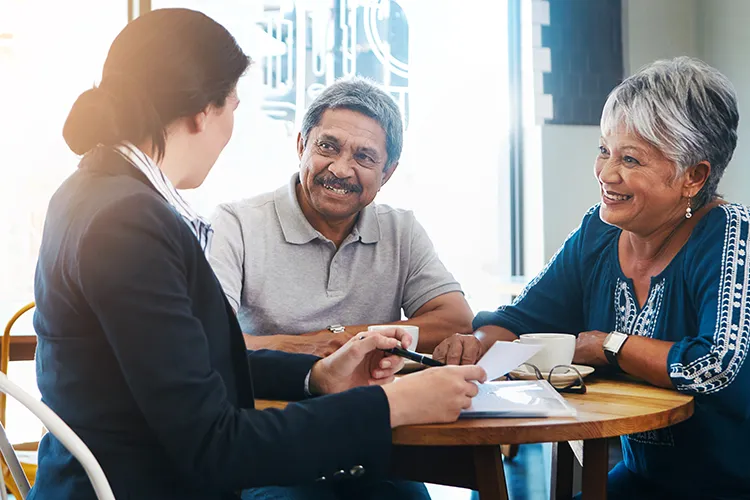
{"x": 300, "y": 145}
{"x": 388, "y": 173}
{"x": 696, "y": 178}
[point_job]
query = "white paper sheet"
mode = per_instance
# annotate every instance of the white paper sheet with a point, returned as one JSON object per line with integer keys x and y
{"x": 504, "y": 357}
{"x": 519, "y": 398}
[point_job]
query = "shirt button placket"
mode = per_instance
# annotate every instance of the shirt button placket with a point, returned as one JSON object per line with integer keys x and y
{"x": 334, "y": 281}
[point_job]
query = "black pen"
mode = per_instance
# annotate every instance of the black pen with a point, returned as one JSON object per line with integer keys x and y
{"x": 419, "y": 358}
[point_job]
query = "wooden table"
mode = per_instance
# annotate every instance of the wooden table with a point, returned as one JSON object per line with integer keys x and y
{"x": 467, "y": 453}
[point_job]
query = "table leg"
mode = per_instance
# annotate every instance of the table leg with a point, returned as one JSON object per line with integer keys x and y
{"x": 509, "y": 451}
{"x": 488, "y": 464}
{"x": 561, "y": 487}
{"x": 595, "y": 468}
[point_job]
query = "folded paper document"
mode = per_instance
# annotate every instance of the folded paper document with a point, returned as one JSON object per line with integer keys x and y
{"x": 518, "y": 398}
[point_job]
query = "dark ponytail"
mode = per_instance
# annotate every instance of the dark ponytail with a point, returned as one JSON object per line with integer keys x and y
{"x": 113, "y": 112}
{"x": 90, "y": 122}
{"x": 165, "y": 65}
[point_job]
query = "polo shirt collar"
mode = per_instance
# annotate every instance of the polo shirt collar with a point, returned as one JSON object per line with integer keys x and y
{"x": 294, "y": 224}
{"x": 368, "y": 226}
{"x": 298, "y": 230}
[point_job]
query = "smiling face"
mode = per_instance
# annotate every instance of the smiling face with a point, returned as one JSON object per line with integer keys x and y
{"x": 640, "y": 188}
{"x": 342, "y": 165}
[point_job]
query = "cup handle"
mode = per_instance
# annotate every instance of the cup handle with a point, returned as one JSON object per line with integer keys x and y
{"x": 517, "y": 341}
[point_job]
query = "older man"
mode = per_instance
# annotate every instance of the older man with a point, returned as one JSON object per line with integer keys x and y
{"x": 316, "y": 261}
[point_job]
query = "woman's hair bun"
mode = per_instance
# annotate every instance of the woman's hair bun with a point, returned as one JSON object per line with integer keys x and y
{"x": 91, "y": 121}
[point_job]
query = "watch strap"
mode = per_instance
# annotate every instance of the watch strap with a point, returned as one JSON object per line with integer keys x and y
{"x": 612, "y": 359}
{"x": 612, "y": 355}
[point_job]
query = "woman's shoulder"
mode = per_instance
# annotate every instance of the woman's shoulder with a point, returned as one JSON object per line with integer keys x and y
{"x": 723, "y": 222}
{"x": 722, "y": 233}
{"x": 715, "y": 257}
{"x": 94, "y": 203}
{"x": 127, "y": 201}
{"x": 729, "y": 213}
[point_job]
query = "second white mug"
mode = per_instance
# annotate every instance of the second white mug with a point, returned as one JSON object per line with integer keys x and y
{"x": 559, "y": 349}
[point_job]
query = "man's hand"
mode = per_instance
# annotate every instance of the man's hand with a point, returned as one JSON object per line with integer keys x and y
{"x": 459, "y": 349}
{"x": 322, "y": 343}
{"x": 361, "y": 361}
{"x": 589, "y": 349}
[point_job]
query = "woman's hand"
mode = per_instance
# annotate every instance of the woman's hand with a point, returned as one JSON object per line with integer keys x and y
{"x": 590, "y": 349}
{"x": 434, "y": 395}
{"x": 360, "y": 361}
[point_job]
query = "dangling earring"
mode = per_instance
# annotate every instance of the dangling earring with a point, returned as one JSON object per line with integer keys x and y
{"x": 689, "y": 211}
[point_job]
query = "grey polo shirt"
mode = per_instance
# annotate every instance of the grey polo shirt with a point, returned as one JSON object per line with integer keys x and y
{"x": 283, "y": 276}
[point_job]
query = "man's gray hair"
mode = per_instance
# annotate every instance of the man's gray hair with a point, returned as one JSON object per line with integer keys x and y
{"x": 684, "y": 108}
{"x": 364, "y": 96}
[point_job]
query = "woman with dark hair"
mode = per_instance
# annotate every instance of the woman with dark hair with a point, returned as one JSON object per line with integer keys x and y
{"x": 138, "y": 349}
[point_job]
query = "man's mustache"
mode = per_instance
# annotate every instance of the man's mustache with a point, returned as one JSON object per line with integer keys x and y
{"x": 335, "y": 182}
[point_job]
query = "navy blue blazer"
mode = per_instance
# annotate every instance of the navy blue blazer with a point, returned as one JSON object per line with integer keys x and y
{"x": 141, "y": 354}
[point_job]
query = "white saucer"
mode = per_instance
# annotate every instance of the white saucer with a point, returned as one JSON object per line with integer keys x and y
{"x": 525, "y": 373}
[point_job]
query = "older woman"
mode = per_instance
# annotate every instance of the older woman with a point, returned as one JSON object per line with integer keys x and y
{"x": 661, "y": 265}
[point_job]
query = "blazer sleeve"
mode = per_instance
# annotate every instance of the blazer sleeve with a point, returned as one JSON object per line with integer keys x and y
{"x": 133, "y": 274}
{"x": 279, "y": 375}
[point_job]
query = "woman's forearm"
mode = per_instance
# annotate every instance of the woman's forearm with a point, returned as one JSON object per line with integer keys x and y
{"x": 646, "y": 358}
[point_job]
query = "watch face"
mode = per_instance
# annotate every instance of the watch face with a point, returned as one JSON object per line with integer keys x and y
{"x": 614, "y": 341}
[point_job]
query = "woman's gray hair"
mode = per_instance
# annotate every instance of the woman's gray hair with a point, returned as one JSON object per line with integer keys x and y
{"x": 364, "y": 96}
{"x": 684, "y": 108}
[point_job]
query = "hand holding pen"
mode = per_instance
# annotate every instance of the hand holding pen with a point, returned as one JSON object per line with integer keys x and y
{"x": 414, "y": 356}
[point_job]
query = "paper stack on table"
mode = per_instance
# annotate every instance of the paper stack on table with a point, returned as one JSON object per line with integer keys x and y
{"x": 535, "y": 398}
{"x": 518, "y": 398}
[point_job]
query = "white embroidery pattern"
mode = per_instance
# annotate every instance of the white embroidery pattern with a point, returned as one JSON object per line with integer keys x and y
{"x": 628, "y": 319}
{"x": 539, "y": 276}
{"x": 719, "y": 367}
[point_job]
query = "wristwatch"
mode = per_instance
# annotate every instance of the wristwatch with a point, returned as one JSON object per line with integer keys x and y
{"x": 336, "y": 328}
{"x": 612, "y": 345}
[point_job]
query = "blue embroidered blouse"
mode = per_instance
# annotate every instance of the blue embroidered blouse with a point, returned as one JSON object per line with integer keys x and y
{"x": 700, "y": 302}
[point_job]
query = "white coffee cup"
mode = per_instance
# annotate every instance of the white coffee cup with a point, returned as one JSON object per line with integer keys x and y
{"x": 559, "y": 349}
{"x": 412, "y": 330}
